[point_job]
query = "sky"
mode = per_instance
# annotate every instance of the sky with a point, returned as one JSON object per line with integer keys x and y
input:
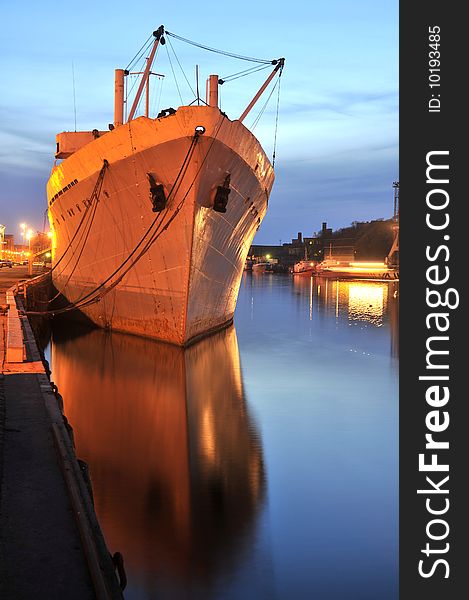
{"x": 337, "y": 137}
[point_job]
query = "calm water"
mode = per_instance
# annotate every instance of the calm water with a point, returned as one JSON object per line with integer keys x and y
{"x": 261, "y": 462}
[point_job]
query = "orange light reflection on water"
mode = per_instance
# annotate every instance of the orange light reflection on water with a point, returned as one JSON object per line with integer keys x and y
{"x": 176, "y": 465}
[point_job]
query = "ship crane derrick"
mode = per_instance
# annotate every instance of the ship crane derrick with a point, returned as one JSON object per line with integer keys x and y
{"x": 393, "y": 255}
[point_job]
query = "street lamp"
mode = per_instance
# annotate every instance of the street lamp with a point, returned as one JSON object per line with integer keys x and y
{"x": 23, "y": 228}
{"x": 29, "y": 235}
{"x": 2, "y": 241}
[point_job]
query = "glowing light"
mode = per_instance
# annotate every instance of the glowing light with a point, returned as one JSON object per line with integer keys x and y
{"x": 371, "y": 265}
{"x": 207, "y": 435}
{"x": 360, "y": 269}
{"x": 267, "y": 256}
{"x": 366, "y": 302}
{"x": 48, "y": 254}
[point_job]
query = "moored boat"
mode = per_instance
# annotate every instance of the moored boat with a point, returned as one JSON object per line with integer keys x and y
{"x": 304, "y": 267}
{"x": 356, "y": 270}
{"x": 152, "y": 220}
{"x": 260, "y": 267}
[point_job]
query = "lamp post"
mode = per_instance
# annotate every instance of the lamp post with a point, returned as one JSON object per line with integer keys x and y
{"x": 2, "y": 241}
{"x": 29, "y": 235}
{"x": 23, "y": 228}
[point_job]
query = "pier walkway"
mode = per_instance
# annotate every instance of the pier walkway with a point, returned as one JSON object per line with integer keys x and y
{"x": 48, "y": 547}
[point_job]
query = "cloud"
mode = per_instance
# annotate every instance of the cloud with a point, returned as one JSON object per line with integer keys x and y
{"x": 23, "y": 198}
{"x": 339, "y": 189}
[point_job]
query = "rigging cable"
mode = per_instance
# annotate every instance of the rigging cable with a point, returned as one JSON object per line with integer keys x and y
{"x": 157, "y": 233}
{"x": 261, "y": 112}
{"x": 233, "y": 55}
{"x": 91, "y": 298}
{"x": 84, "y": 301}
{"x": 94, "y": 193}
{"x": 255, "y": 69}
{"x": 83, "y": 245}
{"x": 157, "y": 102}
{"x": 140, "y": 53}
{"x": 44, "y": 221}
{"x": 135, "y": 79}
{"x": 256, "y": 120}
{"x": 88, "y": 204}
{"x": 180, "y": 66}
{"x": 95, "y": 295}
{"x": 276, "y": 118}
{"x": 174, "y": 75}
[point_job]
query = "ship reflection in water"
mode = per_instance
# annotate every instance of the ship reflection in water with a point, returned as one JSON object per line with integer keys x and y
{"x": 175, "y": 459}
{"x": 201, "y": 508}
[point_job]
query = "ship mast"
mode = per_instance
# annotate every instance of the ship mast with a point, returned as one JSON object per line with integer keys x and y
{"x": 212, "y": 82}
{"x": 279, "y": 65}
{"x": 393, "y": 255}
{"x": 158, "y": 34}
{"x": 147, "y": 92}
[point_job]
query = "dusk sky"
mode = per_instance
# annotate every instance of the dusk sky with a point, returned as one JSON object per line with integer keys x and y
{"x": 337, "y": 142}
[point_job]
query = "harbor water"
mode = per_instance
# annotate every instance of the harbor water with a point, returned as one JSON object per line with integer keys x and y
{"x": 261, "y": 462}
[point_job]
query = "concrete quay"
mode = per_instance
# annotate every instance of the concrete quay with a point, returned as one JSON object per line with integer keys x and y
{"x": 51, "y": 546}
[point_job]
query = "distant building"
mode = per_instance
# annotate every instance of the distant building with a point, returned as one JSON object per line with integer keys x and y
{"x": 9, "y": 242}
{"x": 313, "y": 249}
{"x": 342, "y": 249}
{"x": 2, "y": 240}
{"x": 362, "y": 240}
{"x": 325, "y": 231}
{"x": 300, "y": 248}
{"x": 261, "y": 253}
{"x": 294, "y": 250}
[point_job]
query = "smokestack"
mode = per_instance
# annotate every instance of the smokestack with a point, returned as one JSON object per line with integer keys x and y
{"x": 212, "y": 90}
{"x": 119, "y": 97}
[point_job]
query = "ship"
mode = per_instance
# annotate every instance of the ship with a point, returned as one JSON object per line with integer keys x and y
{"x": 304, "y": 267}
{"x": 337, "y": 269}
{"x": 152, "y": 219}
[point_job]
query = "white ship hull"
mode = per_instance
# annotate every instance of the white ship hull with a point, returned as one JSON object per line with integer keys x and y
{"x": 304, "y": 267}
{"x": 186, "y": 282}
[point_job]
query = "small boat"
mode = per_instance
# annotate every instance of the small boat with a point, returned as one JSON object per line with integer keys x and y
{"x": 304, "y": 267}
{"x": 260, "y": 267}
{"x": 356, "y": 270}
